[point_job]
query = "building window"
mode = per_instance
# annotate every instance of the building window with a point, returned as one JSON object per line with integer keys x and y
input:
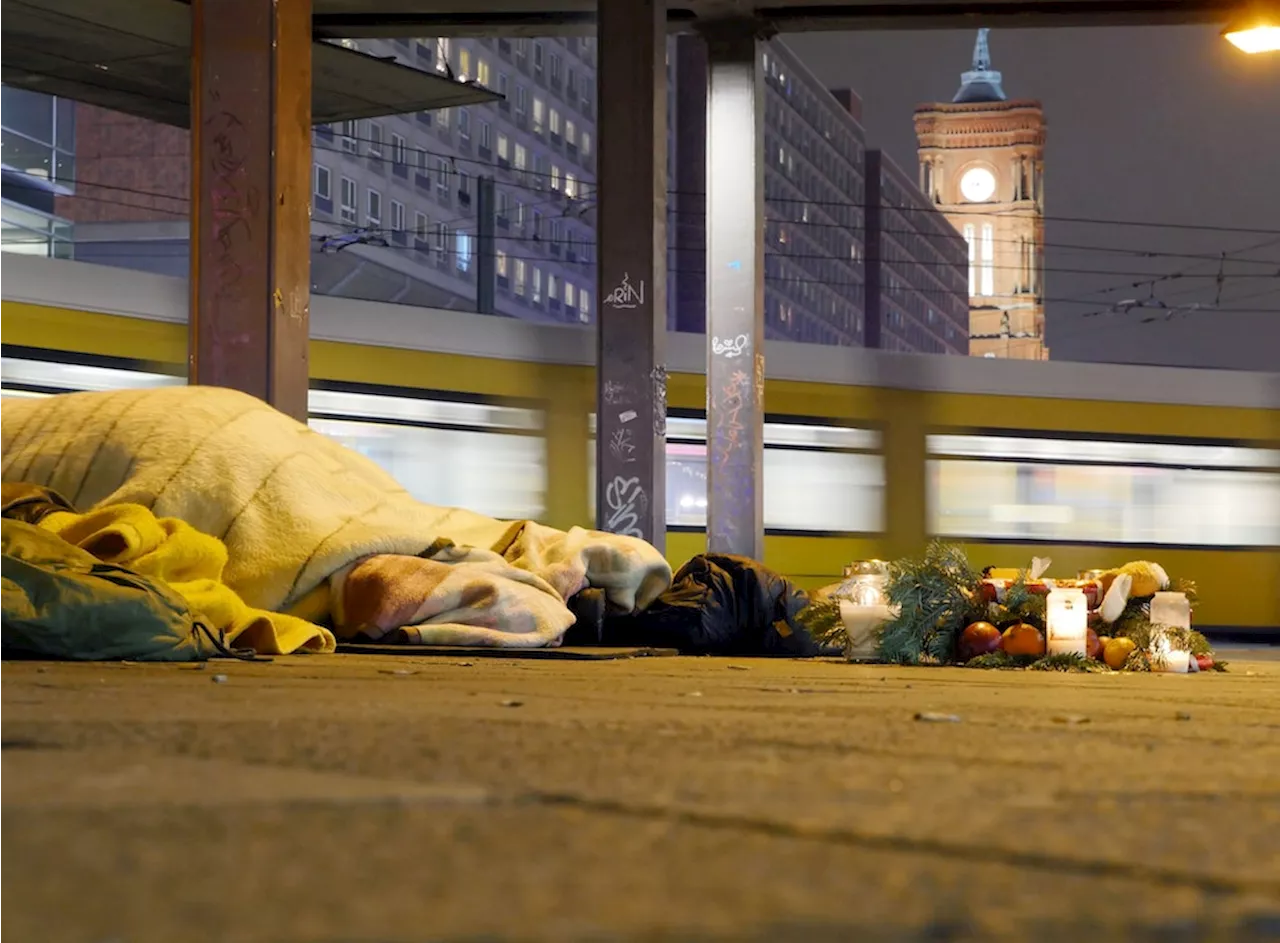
{"x": 539, "y": 113}
{"x": 537, "y": 59}
{"x": 421, "y": 225}
{"x": 464, "y": 64}
{"x": 570, "y": 295}
{"x": 464, "y": 124}
{"x": 988, "y": 260}
{"x": 554, "y": 122}
{"x": 504, "y": 148}
{"x": 397, "y": 217}
{"x": 482, "y": 73}
{"x": 973, "y": 258}
{"x": 570, "y": 132}
{"x": 442, "y": 53}
{"x": 462, "y": 251}
{"x": 535, "y": 285}
{"x": 486, "y": 135}
{"x": 323, "y": 185}
{"x": 519, "y": 281}
{"x": 442, "y": 240}
{"x": 442, "y": 176}
{"x": 504, "y": 85}
{"x": 584, "y": 306}
{"x": 521, "y": 157}
{"x": 373, "y": 214}
{"x": 553, "y": 288}
{"x": 571, "y": 186}
{"x": 586, "y": 143}
{"x": 399, "y": 155}
{"x": 500, "y": 264}
{"x": 347, "y": 205}
{"x": 522, "y": 100}
{"x": 350, "y": 132}
{"x": 375, "y": 139}
{"x": 555, "y": 68}
{"x": 555, "y": 177}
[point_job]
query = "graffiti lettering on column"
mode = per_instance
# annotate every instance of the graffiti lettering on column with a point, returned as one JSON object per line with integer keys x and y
{"x": 625, "y": 295}
{"x": 729, "y": 347}
{"x": 234, "y": 201}
{"x": 626, "y": 501}
{"x": 622, "y": 446}
{"x": 615, "y": 393}
{"x": 759, "y": 380}
{"x": 627, "y": 416}
{"x": 729, "y": 426}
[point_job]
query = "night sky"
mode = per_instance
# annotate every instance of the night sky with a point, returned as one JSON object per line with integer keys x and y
{"x": 1158, "y": 124}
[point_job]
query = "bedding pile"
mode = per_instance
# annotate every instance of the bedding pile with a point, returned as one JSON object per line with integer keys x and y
{"x": 309, "y": 529}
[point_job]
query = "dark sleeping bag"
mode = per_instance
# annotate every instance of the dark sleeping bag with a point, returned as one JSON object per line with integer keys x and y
{"x": 721, "y": 604}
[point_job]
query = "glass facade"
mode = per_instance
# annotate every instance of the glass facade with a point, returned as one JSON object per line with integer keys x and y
{"x": 38, "y": 140}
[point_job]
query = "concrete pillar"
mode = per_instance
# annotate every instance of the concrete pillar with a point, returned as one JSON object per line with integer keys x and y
{"x": 735, "y": 289}
{"x": 631, "y": 423}
{"x": 251, "y": 198}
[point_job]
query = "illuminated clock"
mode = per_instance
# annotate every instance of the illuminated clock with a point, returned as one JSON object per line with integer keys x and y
{"x": 977, "y": 185}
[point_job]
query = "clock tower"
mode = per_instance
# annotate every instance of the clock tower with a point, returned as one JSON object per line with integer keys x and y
{"x": 982, "y": 163}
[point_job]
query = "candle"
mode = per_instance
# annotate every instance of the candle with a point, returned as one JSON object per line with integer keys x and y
{"x": 1067, "y": 621}
{"x": 1171, "y": 662}
{"x": 861, "y": 625}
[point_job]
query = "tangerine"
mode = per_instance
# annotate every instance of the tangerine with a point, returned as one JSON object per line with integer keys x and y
{"x": 1117, "y": 652}
{"x": 1022, "y": 639}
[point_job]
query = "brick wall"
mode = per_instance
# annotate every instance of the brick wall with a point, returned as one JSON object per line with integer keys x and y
{"x": 127, "y": 170}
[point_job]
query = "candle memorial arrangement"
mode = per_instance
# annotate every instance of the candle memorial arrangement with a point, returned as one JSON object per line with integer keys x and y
{"x": 939, "y": 609}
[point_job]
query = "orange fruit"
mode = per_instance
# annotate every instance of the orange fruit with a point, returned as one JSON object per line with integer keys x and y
{"x": 1117, "y": 652}
{"x": 1022, "y": 639}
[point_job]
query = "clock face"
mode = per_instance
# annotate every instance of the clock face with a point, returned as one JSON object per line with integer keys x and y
{"x": 977, "y": 185}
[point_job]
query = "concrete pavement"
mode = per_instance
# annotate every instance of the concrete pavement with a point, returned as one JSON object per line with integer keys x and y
{"x": 398, "y": 798}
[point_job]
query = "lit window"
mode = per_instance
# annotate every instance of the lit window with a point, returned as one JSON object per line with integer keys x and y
{"x": 570, "y": 132}
{"x": 464, "y": 64}
{"x": 988, "y": 260}
{"x": 570, "y": 295}
{"x": 536, "y": 285}
{"x": 522, "y": 157}
{"x": 554, "y": 121}
{"x": 500, "y": 263}
{"x": 539, "y": 114}
{"x": 518, "y": 285}
{"x": 571, "y": 186}
{"x": 555, "y": 177}
{"x": 586, "y": 143}
{"x": 482, "y": 72}
{"x": 504, "y": 148}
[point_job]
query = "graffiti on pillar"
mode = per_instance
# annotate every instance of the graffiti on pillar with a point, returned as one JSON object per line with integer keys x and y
{"x": 234, "y": 202}
{"x": 626, "y": 295}
{"x": 625, "y": 501}
{"x": 627, "y": 415}
{"x": 615, "y": 393}
{"x": 622, "y": 445}
{"x": 729, "y": 347}
{"x": 759, "y": 380}
{"x": 729, "y": 425}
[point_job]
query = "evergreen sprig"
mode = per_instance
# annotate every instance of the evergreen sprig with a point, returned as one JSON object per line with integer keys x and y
{"x": 823, "y": 621}
{"x": 1069, "y": 661}
{"x": 936, "y": 596}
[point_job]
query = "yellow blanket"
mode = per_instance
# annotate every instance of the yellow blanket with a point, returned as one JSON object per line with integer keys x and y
{"x": 192, "y": 563}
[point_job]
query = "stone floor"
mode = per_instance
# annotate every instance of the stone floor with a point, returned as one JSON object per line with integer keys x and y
{"x": 370, "y": 798}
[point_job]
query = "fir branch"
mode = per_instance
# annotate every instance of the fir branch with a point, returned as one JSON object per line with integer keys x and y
{"x": 1137, "y": 661}
{"x": 936, "y": 598}
{"x": 994, "y": 660}
{"x": 823, "y": 621}
{"x": 1219, "y": 665}
{"x": 1068, "y": 661}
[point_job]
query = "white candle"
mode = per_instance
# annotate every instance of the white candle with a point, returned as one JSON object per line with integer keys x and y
{"x": 1067, "y": 620}
{"x": 861, "y": 624}
{"x": 1171, "y": 662}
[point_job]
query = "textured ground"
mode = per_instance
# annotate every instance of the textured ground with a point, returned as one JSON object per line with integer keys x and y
{"x": 396, "y": 799}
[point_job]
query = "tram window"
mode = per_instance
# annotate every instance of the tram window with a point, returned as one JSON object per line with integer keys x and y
{"x": 494, "y": 473}
{"x": 817, "y": 478}
{"x": 1124, "y": 492}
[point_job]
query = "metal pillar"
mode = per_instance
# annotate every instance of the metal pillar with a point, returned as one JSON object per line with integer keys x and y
{"x": 486, "y": 247}
{"x": 251, "y": 198}
{"x": 735, "y": 289}
{"x": 631, "y": 413}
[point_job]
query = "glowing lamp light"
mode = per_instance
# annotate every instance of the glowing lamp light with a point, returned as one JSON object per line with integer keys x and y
{"x": 1067, "y": 621}
{"x": 1169, "y": 610}
{"x": 1255, "y": 30}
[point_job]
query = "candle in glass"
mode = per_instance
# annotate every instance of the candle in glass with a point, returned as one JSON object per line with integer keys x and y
{"x": 1067, "y": 621}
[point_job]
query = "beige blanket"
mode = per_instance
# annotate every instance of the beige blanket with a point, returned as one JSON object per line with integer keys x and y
{"x": 293, "y": 507}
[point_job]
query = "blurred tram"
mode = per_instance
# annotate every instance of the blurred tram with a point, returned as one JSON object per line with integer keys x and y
{"x": 867, "y": 454}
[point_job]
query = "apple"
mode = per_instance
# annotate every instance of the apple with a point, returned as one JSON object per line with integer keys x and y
{"x": 980, "y": 638}
{"x": 1204, "y": 662}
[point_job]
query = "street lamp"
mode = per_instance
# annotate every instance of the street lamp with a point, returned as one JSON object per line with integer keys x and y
{"x": 1255, "y": 29}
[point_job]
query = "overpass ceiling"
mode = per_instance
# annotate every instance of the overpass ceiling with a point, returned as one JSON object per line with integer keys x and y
{"x": 134, "y": 56}
{"x": 400, "y": 18}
